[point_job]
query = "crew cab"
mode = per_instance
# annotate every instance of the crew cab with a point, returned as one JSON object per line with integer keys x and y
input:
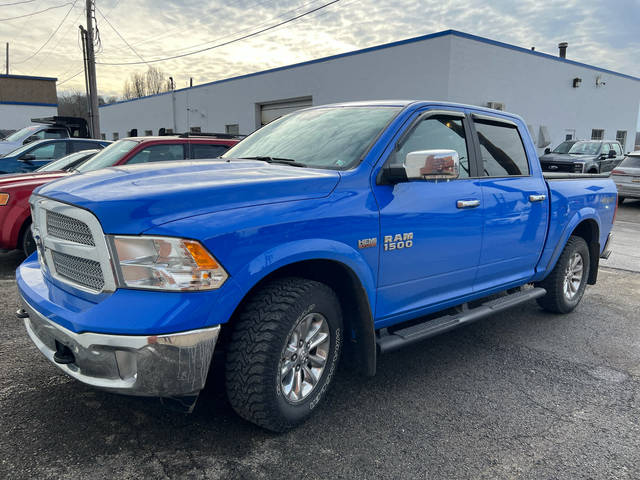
{"x": 583, "y": 156}
{"x": 46, "y": 128}
{"x": 15, "y": 216}
{"x": 353, "y": 229}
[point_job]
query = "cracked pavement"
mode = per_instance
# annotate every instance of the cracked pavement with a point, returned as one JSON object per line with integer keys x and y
{"x": 524, "y": 394}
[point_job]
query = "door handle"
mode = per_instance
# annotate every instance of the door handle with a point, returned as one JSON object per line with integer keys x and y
{"x": 537, "y": 198}
{"x": 467, "y": 203}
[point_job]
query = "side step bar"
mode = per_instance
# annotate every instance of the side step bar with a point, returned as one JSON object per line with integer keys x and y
{"x": 388, "y": 342}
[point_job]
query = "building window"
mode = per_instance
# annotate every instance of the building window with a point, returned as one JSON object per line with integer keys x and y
{"x": 232, "y": 129}
{"x": 103, "y": 136}
{"x": 621, "y": 136}
{"x": 148, "y": 133}
{"x": 597, "y": 134}
{"x": 116, "y": 135}
{"x": 195, "y": 130}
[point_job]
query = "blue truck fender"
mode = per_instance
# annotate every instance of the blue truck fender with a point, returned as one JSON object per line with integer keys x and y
{"x": 350, "y": 276}
{"x": 585, "y": 222}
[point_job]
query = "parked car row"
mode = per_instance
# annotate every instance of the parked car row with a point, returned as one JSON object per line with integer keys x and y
{"x": 583, "y": 156}
{"x": 15, "y": 190}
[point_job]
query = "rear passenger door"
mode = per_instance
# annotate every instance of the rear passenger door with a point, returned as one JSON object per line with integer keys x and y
{"x": 515, "y": 203}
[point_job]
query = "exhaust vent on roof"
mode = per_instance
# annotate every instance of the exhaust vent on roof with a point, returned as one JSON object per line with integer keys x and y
{"x": 562, "y": 49}
{"x": 496, "y": 105}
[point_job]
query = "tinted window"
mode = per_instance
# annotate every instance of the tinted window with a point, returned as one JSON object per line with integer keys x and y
{"x": 49, "y": 151}
{"x": 605, "y": 149}
{"x": 200, "y": 150}
{"x": 78, "y": 146}
{"x": 158, "y": 153}
{"x": 563, "y": 147}
{"x": 631, "y": 162}
{"x": 617, "y": 148}
{"x": 434, "y": 133}
{"x": 111, "y": 155}
{"x": 585, "y": 148}
{"x": 501, "y": 149}
{"x": 54, "y": 133}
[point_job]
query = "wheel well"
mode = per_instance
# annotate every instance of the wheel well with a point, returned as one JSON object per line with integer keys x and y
{"x": 359, "y": 341}
{"x": 590, "y": 232}
{"x": 593, "y": 170}
{"x": 23, "y": 229}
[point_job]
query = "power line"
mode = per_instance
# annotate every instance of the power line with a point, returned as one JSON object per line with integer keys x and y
{"x": 121, "y": 37}
{"x": 50, "y": 36}
{"x": 71, "y": 77}
{"x": 34, "y": 13}
{"x": 16, "y": 3}
{"x": 225, "y": 43}
{"x": 60, "y": 37}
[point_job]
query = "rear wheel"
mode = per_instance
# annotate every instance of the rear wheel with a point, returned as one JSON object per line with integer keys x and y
{"x": 283, "y": 352}
{"x": 28, "y": 243}
{"x": 567, "y": 281}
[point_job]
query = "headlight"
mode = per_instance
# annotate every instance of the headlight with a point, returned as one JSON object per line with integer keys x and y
{"x": 165, "y": 263}
{"x": 4, "y": 198}
{"x": 578, "y": 167}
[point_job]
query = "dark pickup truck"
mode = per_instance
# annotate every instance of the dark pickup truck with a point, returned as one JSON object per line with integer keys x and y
{"x": 584, "y": 156}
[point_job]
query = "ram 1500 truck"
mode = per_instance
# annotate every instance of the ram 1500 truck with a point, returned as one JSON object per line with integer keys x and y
{"x": 350, "y": 229}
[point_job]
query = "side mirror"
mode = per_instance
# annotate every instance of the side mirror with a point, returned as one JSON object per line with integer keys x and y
{"x": 27, "y": 157}
{"x": 547, "y": 150}
{"x": 30, "y": 139}
{"x": 612, "y": 154}
{"x": 432, "y": 165}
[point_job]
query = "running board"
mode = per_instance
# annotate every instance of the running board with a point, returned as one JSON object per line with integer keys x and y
{"x": 388, "y": 342}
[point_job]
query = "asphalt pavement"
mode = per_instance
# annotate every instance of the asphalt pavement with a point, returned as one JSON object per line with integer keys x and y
{"x": 524, "y": 394}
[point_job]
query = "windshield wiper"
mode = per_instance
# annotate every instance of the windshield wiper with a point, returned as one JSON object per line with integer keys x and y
{"x": 285, "y": 161}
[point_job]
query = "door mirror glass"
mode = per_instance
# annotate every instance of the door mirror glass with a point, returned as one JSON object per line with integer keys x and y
{"x": 547, "y": 150}
{"x": 432, "y": 165}
{"x": 612, "y": 154}
{"x": 28, "y": 157}
{"x": 30, "y": 139}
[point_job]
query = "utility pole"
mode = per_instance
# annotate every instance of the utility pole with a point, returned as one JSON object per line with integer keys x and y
{"x": 94, "y": 116}
{"x": 83, "y": 36}
{"x": 7, "y": 58}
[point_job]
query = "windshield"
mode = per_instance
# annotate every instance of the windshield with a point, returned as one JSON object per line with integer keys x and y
{"x": 109, "y": 156}
{"x": 585, "y": 148}
{"x": 331, "y": 137}
{"x": 64, "y": 162}
{"x": 564, "y": 147}
{"x": 632, "y": 161}
{"x": 22, "y": 134}
{"x": 20, "y": 150}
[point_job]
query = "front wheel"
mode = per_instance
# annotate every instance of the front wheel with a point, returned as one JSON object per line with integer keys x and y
{"x": 283, "y": 352}
{"x": 28, "y": 242}
{"x": 567, "y": 281}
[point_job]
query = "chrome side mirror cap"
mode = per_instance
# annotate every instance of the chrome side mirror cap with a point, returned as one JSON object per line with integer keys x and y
{"x": 432, "y": 165}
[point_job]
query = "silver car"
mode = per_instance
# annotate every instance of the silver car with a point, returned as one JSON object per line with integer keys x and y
{"x": 627, "y": 177}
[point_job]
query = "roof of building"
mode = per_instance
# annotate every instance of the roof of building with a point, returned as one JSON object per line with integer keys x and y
{"x": 28, "y": 77}
{"x": 395, "y": 44}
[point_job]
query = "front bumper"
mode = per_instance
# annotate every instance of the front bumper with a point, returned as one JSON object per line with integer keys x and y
{"x": 164, "y": 365}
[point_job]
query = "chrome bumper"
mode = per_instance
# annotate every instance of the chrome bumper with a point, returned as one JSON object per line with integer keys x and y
{"x": 165, "y": 365}
{"x": 606, "y": 251}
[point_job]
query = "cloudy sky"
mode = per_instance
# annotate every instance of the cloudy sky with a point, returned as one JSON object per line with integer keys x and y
{"x": 599, "y": 33}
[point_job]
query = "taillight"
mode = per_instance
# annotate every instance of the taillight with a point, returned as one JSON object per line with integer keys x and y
{"x": 616, "y": 171}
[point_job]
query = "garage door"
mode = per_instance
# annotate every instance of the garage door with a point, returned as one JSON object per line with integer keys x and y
{"x": 270, "y": 111}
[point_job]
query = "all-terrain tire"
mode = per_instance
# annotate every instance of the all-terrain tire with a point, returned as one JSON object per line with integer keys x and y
{"x": 259, "y": 343}
{"x": 559, "y": 298}
{"x": 27, "y": 241}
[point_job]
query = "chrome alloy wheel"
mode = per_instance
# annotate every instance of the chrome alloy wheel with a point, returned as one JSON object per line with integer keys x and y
{"x": 573, "y": 276}
{"x": 304, "y": 357}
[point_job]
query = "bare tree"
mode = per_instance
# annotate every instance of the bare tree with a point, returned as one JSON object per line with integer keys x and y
{"x": 141, "y": 84}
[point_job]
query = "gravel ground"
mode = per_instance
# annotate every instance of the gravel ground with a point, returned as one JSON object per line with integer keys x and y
{"x": 524, "y": 394}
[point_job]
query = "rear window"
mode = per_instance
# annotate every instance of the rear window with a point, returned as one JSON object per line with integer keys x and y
{"x": 631, "y": 162}
{"x": 203, "y": 150}
{"x": 502, "y": 150}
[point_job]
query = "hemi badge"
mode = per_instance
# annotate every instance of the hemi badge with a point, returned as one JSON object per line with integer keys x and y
{"x": 367, "y": 242}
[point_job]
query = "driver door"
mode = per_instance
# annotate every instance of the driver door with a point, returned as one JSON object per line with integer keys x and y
{"x": 430, "y": 231}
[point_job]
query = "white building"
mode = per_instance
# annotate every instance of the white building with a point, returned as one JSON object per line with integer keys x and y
{"x": 23, "y": 98}
{"x": 559, "y": 98}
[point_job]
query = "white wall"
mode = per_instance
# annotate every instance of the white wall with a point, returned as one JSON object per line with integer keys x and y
{"x": 449, "y": 67}
{"x": 415, "y": 70}
{"x": 14, "y": 117}
{"x": 540, "y": 90}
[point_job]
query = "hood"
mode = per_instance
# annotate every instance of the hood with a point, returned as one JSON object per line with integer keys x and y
{"x": 132, "y": 199}
{"x": 565, "y": 158}
{"x": 28, "y": 179}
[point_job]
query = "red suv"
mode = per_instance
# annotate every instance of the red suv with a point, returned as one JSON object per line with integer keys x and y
{"x": 15, "y": 190}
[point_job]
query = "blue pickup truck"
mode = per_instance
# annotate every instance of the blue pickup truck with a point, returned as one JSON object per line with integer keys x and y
{"x": 343, "y": 230}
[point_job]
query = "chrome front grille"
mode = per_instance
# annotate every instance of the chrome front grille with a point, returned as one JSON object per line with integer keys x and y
{"x": 67, "y": 228}
{"x": 72, "y": 247}
{"x": 81, "y": 271}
